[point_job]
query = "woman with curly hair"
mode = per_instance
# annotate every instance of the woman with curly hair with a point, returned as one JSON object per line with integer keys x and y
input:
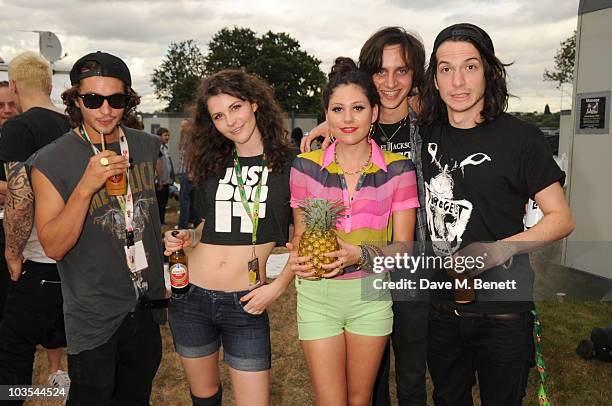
{"x": 240, "y": 156}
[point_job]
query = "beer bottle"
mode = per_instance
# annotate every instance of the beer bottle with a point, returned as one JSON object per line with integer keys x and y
{"x": 179, "y": 275}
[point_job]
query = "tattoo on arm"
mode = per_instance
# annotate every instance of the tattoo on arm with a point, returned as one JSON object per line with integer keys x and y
{"x": 19, "y": 209}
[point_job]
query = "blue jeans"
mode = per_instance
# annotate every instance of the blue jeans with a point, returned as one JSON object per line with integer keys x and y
{"x": 187, "y": 210}
{"x": 501, "y": 352}
{"x": 202, "y": 319}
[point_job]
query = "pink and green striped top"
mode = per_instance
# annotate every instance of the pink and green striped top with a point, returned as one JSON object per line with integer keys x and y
{"x": 387, "y": 186}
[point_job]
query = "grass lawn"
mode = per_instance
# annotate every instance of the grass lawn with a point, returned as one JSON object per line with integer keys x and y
{"x": 572, "y": 381}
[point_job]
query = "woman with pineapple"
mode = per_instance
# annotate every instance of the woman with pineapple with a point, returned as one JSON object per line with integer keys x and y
{"x": 240, "y": 157}
{"x": 363, "y": 193}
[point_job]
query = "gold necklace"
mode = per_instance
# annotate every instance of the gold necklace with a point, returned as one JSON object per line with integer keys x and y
{"x": 360, "y": 170}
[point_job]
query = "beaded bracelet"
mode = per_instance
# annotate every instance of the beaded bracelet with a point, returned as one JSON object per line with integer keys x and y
{"x": 362, "y": 257}
{"x": 378, "y": 252}
{"x": 366, "y": 259}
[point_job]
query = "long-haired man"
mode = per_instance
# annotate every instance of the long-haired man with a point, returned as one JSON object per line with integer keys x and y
{"x": 480, "y": 167}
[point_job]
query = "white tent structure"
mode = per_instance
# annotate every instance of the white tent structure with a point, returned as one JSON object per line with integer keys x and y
{"x": 588, "y": 143}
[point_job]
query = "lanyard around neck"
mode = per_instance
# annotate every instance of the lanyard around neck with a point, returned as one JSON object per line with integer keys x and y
{"x": 125, "y": 202}
{"x": 253, "y": 215}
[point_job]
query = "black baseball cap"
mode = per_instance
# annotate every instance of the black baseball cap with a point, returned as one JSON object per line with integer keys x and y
{"x": 471, "y": 31}
{"x": 109, "y": 65}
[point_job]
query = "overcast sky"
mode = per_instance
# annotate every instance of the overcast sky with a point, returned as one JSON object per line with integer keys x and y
{"x": 525, "y": 32}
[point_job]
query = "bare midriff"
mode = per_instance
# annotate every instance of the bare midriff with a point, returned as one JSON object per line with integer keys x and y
{"x": 225, "y": 267}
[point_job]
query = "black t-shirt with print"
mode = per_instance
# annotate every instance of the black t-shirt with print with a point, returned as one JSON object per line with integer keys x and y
{"x": 477, "y": 182}
{"x": 25, "y": 134}
{"x": 394, "y": 137}
{"x": 226, "y": 221}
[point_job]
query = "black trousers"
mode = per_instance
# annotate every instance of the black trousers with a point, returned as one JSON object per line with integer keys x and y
{"x": 409, "y": 340}
{"x": 162, "y": 200}
{"x": 121, "y": 371}
{"x": 500, "y": 352}
{"x": 32, "y": 315}
{"x": 4, "y": 272}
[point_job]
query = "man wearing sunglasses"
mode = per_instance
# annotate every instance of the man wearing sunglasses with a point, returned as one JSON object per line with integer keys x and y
{"x": 108, "y": 247}
{"x": 33, "y": 313}
{"x": 93, "y": 101}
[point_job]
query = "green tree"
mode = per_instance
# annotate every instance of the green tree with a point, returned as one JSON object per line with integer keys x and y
{"x": 275, "y": 57}
{"x": 547, "y": 109}
{"x": 540, "y": 120}
{"x": 563, "y": 71}
{"x": 234, "y": 48}
{"x": 176, "y": 79}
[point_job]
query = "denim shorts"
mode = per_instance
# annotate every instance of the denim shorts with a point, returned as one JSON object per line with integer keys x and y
{"x": 202, "y": 320}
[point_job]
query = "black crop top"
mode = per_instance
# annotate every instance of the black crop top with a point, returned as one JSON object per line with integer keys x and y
{"x": 226, "y": 221}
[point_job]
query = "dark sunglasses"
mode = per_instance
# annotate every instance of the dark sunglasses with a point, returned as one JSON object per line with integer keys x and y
{"x": 95, "y": 101}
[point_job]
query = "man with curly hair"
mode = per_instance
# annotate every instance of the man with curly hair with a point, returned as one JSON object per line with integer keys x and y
{"x": 108, "y": 245}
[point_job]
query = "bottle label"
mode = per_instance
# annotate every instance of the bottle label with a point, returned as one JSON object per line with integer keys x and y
{"x": 179, "y": 278}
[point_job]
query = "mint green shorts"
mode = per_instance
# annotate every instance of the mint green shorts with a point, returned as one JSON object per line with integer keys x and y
{"x": 328, "y": 307}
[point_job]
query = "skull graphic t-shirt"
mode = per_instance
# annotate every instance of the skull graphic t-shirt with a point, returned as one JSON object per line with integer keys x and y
{"x": 478, "y": 180}
{"x": 477, "y": 183}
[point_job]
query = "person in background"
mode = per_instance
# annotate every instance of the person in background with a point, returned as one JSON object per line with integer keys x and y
{"x": 7, "y": 110}
{"x": 33, "y": 312}
{"x": 296, "y": 136}
{"x": 189, "y": 215}
{"x": 166, "y": 173}
{"x": 7, "y": 104}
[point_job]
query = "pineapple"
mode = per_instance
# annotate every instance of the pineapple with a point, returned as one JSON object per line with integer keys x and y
{"x": 320, "y": 216}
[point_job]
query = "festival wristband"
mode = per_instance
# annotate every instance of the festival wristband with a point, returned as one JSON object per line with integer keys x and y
{"x": 194, "y": 241}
